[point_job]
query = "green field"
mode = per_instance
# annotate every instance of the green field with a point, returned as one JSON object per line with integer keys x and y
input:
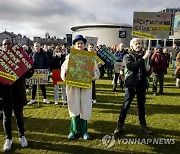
{"x": 47, "y": 126}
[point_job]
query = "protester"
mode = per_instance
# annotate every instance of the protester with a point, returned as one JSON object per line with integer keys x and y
{"x": 177, "y": 72}
{"x": 79, "y": 99}
{"x": 119, "y": 54}
{"x": 13, "y": 98}
{"x": 41, "y": 61}
{"x": 135, "y": 81}
{"x": 168, "y": 57}
{"x": 175, "y": 51}
{"x": 159, "y": 66}
{"x": 56, "y": 65}
{"x": 91, "y": 48}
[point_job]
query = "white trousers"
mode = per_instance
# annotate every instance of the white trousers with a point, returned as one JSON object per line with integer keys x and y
{"x": 79, "y": 102}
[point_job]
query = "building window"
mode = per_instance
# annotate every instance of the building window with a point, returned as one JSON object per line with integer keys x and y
{"x": 161, "y": 42}
{"x": 154, "y": 42}
{"x": 177, "y": 41}
{"x": 169, "y": 42}
{"x": 122, "y": 34}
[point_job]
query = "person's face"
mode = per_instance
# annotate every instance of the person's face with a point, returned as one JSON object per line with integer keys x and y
{"x": 37, "y": 47}
{"x": 79, "y": 45}
{"x": 91, "y": 48}
{"x": 121, "y": 47}
{"x": 175, "y": 46}
{"x": 136, "y": 46}
{"x": 6, "y": 44}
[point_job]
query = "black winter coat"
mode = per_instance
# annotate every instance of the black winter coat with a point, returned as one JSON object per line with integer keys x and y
{"x": 15, "y": 93}
{"x": 133, "y": 64}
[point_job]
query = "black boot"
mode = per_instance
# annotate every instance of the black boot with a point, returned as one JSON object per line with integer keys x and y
{"x": 119, "y": 129}
{"x": 145, "y": 129}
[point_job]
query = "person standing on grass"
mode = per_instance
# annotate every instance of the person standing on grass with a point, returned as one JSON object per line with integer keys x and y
{"x": 177, "y": 72}
{"x": 79, "y": 99}
{"x": 41, "y": 61}
{"x": 119, "y": 54}
{"x": 13, "y": 98}
{"x": 159, "y": 66}
{"x": 91, "y": 48}
{"x": 175, "y": 51}
{"x": 56, "y": 65}
{"x": 136, "y": 72}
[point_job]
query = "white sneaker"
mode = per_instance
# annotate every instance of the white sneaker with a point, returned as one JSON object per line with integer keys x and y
{"x": 31, "y": 102}
{"x": 46, "y": 101}
{"x": 27, "y": 90}
{"x": 23, "y": 142}
{"x": 7, "y": 145}
{"x": 56, "y": 102}
{"x": 64, "y": 102}
{"x": 94, "y": 101}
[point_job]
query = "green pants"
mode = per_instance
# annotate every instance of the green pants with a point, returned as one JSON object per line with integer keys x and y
{"x": 78, "y": 125}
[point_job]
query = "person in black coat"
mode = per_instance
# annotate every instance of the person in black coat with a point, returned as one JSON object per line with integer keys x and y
{"x": 41, "y": 61}
{"x": 136, "y": 73}
{"x": 13, "y": 98}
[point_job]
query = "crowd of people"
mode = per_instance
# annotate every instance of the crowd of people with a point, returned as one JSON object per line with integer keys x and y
{"x": 132, "y": 70}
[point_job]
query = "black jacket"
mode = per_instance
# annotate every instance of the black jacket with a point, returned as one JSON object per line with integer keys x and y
{"x": 41, "y": 60}
{"x": 135, "y": 72}
{"x": 15, "y": 93}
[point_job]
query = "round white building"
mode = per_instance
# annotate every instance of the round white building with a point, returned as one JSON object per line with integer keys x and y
{"x": 108, "y": 34}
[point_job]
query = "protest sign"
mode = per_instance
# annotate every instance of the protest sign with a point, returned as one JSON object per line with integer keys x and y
{"x": 91, "y": 40}
{"x": 40, "y": 76}
{"x": 177, "y": 24}
{"x": 56, "y": 77}
{"x": 80, "y": 68}
{"x": 151, "y": 25}
{"x": 107, "y": 56}
{"x": 13, "y": 64}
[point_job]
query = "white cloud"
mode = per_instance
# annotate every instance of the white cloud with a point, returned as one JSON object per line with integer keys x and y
{"x": 36, "y": 17}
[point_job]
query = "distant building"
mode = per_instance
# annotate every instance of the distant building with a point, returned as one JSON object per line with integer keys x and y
{"x": 49, "y": 40}
{"x": 19, "y": 39}
{"x": 108, "y": 34}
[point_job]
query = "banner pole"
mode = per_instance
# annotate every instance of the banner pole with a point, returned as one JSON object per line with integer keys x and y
{"x": 38, "y": 94}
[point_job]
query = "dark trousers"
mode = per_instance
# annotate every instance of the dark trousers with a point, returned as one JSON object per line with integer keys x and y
{"x": 43, "y": 89}
{"x": 158, "y": 77}
{"x": 128, "y": 98}
{"x": 93, "y": 90}
{"x": 120, "y": 81}
{"x": 7, "y": 109}
{"x": 109, "y": 72}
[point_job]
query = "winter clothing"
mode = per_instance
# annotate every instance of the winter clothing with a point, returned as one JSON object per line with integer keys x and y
{"x": 158, "y": 62}
{"x": 79, "y": 101}
{"x": 159, "y": 66}
{"x": 136, "y": 83}
{"x": 14, "y": 98}
{"x": 41, "y": 61}
{"x": 119, "y": 55}
{"x": 174, "y": 55}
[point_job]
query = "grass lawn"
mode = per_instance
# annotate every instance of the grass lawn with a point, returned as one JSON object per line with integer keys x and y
{"x": 47, "y": 126}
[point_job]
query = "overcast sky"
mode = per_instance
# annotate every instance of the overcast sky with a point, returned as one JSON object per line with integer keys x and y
{"x": 36, "y": 17}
